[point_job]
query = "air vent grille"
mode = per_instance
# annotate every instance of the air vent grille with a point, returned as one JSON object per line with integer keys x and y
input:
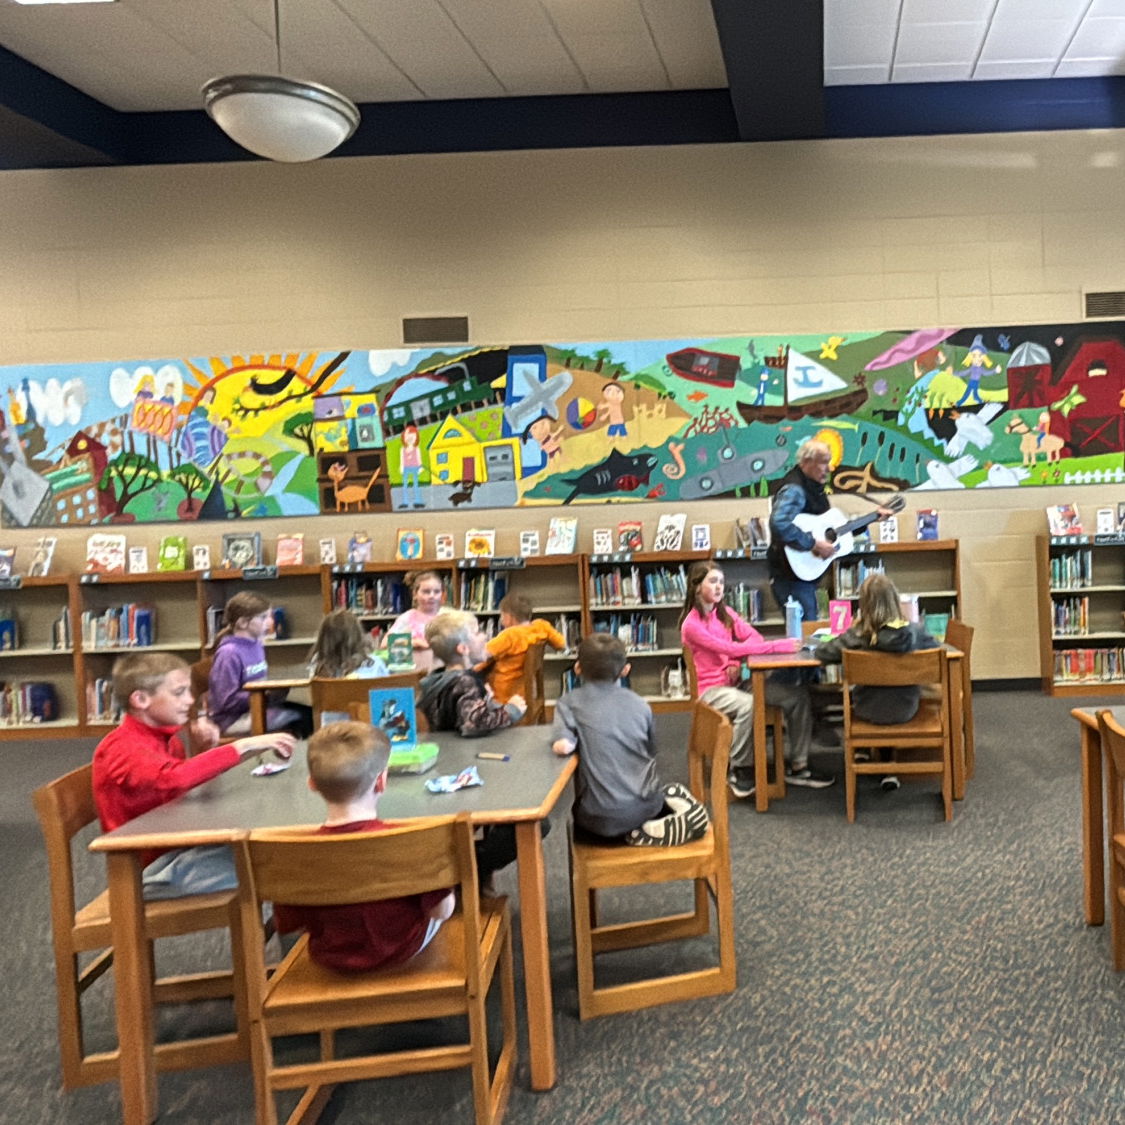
{"x": 1103, "y": 305}
{"x": 435, "y": 329}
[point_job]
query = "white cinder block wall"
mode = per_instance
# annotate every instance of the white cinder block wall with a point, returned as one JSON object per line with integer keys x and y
{"x": 586, "y": 245}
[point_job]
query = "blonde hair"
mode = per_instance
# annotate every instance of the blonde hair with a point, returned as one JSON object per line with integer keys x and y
{"x": 451, "y": 627}
{"x": 143, "y": 671}
{"x": 346, "y": 758}
{"x": 879, "y": 605}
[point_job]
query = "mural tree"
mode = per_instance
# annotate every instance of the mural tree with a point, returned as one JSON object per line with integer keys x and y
{"x": 302, "y": 427}
{"x": 192, "y": 480}
{"x": 127, "y": 477}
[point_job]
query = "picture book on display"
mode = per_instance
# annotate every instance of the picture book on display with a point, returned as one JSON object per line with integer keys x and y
{"x": 359, "y": 547}
{"x": 603, "y": 541}
{"x": 529, "y": 544}
{"x": 201, "y": 557}
{"x": 138, "y": 560}
{"x": 670, "y": 532}
{"x": 408, "y": 544}
{"x": 630, "y": 535}
{"x": 1063, "y": 519}
{"x": 328, "y": 552}
{"x": 701, "y": 537}
{"x": 443, "y": 545}
{"x": 562, "y": 534}
{"x": 480, "y": 543}
{"x": 7, "y": 561}
{"x": 41, "y": 557}
{"x": 242, "y": 549}
{"x": 392, "y": 711}
{"x": 105, "y": 553}
{"x": 888, "y": 530}
{"x": 927, "y": 523}
{"x": 290, "y": 549}
{"x": 173, "y": 553}
{"x": 1106, "y": 521}
{"x": 400, "y": 651}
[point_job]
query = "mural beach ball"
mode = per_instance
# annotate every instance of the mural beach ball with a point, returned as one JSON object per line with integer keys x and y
{"x": 581, "y": 413}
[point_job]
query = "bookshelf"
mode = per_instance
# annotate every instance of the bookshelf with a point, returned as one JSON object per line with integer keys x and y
{"x": 377, "y": 592}
{"x": 1081, "y": 583}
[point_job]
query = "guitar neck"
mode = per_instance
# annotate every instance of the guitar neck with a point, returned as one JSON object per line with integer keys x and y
{"x": 858, "y": 523}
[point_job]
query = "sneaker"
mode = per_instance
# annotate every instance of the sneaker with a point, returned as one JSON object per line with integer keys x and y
{"x": 808, "y": 778}
{"x": 741, "y": 782}
{"x": 890, "y": 783}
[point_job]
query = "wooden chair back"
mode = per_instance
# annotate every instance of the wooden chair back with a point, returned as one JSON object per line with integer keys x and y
{"x": 1113, "y": 746}
{"x": 450, "y": 977}
{"x": 929, "y": 729}
{"x": 65, "y": 807}
{"x": 960, "y": 636}
{"x": 598, "y": 866}
{"x": 533, "y": 689}
{"x": 690, "y": 673}
{"x": 200, "y": 685}
{"x": 330, "y": 694}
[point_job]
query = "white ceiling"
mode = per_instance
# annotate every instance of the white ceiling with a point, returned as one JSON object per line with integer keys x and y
{"x": 136, "y": 55}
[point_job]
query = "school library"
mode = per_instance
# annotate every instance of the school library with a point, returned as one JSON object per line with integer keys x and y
{"x": 207, "y": 391}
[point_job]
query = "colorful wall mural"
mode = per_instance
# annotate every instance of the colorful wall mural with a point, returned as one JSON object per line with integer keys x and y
{"x": 302, "y": 433}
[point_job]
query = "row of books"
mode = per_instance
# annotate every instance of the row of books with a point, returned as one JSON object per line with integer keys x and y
{"x": 570, "y": 679}
{"x": 100, "y": 704}
{"x": 131, "y": 625}
{"x": 746, "y": 600}
{"x": 850, "y": 576}
{"x": 637, "y": 631}
{"x": 277, "y": 629}
{"x": 1073, "y": 569}
{"x": 28, "y": 701}
{"x": 629, "y": 586}
{"x": 1071, "y": 616}
{"x": 388, "y": 596}
{"x": 482, "y": 591}
{"x": 1101, "y": 664}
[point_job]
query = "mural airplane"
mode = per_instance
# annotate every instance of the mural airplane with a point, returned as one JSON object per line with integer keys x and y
{"x": 302, "y": 433}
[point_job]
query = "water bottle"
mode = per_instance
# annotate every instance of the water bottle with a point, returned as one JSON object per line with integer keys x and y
{"x": 793, "y": 616}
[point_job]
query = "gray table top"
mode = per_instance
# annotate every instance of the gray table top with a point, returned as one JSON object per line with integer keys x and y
{"x": 526, "y": 787}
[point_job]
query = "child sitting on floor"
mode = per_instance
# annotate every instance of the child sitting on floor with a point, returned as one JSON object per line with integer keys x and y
{"x": 508, "y": 648}
{"x": 348, "y": 768}
{"x": 240, "y": 658}
{"x": 616, "y": 791}
{"x": 142, "y": 764}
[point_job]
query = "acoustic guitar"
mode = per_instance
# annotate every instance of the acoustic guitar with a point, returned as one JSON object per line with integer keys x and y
{"x": 834, "y": 526}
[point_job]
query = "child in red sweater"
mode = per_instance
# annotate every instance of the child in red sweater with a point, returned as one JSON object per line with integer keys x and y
{"x": 143, "y": 763}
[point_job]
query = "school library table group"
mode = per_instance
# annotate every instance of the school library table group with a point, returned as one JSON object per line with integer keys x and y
{"x": 521, "y": 791}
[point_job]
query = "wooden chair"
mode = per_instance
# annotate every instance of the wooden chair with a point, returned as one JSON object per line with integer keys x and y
{"x": 1113, "y": 747}
{"x": 65, "y": 807}
{"x": 930, "y": 729}
{"x": 596, "y": 866}
{"x": 200, "y": 685}
{"x": 960, "y": 636}
{"x": 451, "y": 977}
{"x": 533, "y": 690}
{"x": 339, "y": 694}
{"x": 775, "y": 720}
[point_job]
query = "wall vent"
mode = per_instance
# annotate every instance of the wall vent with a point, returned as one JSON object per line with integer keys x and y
{"x": 1105, "y": 305}
{"x": 435, "y": 329}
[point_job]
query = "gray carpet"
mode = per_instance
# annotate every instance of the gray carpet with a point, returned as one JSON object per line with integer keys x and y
{"x": 897, "y": 970}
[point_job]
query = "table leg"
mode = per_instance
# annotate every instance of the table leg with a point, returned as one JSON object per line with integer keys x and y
{"x": 132, "y": 981}
{"x": 536, "y": 955}
{"x": 957, "y": 732}
{"x": 257, "y": 712}
{"x": 761, "y": 766}
{"x": 1093, "y": 843}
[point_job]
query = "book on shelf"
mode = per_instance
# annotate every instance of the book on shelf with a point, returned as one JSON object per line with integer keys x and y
{"x": 529, "y": 544}
{"x": 670, "y": 532}
{"x": 214, "y": 619}
{"x": 888, "y": 530}
{"x": 42, "y": 555}
{"x": 1121, "y": 517}
{"x": 759, "y": 532}
{"x": 61, "y": 639}
{"x": 562, "y": 534}
{"x": 1063, "y": 519}
{"x": 290, "y": 550}
{"x": 327, "y": 549}
{"x": 7, "y": 561}
{"x": 701, "y": 537}
{"x": 9, "y": 632}
{"x": 630, "y": 535}
{"x": 927, "y": 523}
{"x": 480, "y": 543}
{"x": 400, "y": 651}
{"x": 603, "y": 541}
{"x": 909, "y": 604}
{"x": 360, "y": 547}
{"x": 1106, "y": 521}
{"x": 138, "y": 560}
{"x": 173, "y": 553}
{"x": 201, "y": 557}
{"x": 409, "y": 544}
{"x": 105, "y": 553}
{"x": 277, "y": 627}
{"x": 242, "y": 549}
{"x": 443, "y": 545}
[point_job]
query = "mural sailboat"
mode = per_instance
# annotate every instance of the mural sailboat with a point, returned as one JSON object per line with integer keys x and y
{"x": 809, "y": 390}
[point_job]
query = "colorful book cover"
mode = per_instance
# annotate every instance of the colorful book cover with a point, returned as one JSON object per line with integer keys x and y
{"x": 105, "y": 553}
{"x": 927, "y": 523}
{"x": 1063, "y": 519}
{"x": 408, "y": 544}
{"x": 42, "y": 556}
{"x": 360, "y": 547}
{"x": 242, "y": 549}
{"x": 839, "y": 615}
{"x": 290, "y": 549}
{"x": 392, "y": 711}
{"x": 630, "y": 535}
{"x": 400, "y": 650}
{"x": 480, "y": 543}
{"x": 562, "y": 534}
{"x": 7, "y": 561}
{"x": 173, "y": 553}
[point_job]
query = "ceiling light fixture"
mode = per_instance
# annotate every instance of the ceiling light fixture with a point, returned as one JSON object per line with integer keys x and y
{"x": 280, "y": 118}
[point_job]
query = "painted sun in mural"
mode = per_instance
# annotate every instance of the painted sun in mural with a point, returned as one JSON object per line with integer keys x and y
{"x": 835, "y": 444}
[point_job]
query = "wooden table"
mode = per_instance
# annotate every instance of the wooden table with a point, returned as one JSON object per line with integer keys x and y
{"x": 761, "y": 666}
{"x": 1093, "y": 822}
{"x": 521, "y": 791}
{"x": 257, "y": 690}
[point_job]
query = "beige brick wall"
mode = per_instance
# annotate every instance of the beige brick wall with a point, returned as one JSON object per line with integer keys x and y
{"x": 586, "y": 245}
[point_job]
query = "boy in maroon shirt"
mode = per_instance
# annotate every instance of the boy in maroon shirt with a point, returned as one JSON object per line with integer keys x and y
{"x": 143, "y": 763}
{"x": 348, "y": 768}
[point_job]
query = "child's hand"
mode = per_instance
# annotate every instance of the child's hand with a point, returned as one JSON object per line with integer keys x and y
{"x": 518, "y": 702}
{"x": 202, "y": 733}
{"x": 563, "y": 746}
{"x": 790, "y": 644}
{"x": 281, "y": 743}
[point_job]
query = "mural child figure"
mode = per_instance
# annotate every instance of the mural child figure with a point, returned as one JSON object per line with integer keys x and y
{"x": 978, "y": 363}
{"x": 410, "y": 462}
{"x": 550, "y": 440}
{"x": 610, "y": 409}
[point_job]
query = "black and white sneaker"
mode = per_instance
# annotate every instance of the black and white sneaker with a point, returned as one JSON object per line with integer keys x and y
{"x": 808, "y": 779}
{"x": 741, "y": 782}
{"x": 890, "y": 783}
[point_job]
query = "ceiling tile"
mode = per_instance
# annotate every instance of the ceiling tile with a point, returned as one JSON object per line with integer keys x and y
{"x": 1015, "y": 68}
{"x": 859, "y": 45}
{"x": 1106, "y": 8}
{"x": 1070, "y": 11}
{"x": 837, "y": 12}
{"x": 1089, "y": 68}
{"x": 1026, "y": 39}
{"x": 933, "y": 44}
{"x": 947, "y": 11}
{"x": 1099, "y": 38}
{"x": 931, "y": 72}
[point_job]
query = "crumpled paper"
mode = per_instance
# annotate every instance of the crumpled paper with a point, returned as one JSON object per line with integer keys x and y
{"x": 451, "y": 782}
